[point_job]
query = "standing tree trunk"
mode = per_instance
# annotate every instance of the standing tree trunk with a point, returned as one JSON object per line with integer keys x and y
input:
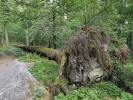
{"x": 49, "y": 43}
{"x": 53, "y": 31}
{"x": 2, "y": 39}
{"x": 130, "y": 40}
{"x": 26, "y": 37}
{"x": 54, "y": 41}
{"x": 6, "y": 35}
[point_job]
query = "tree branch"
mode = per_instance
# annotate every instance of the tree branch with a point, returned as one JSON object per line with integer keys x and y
{"x": 103, "y": 10}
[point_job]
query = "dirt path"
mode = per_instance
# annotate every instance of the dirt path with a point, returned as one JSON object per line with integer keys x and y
{"x": 5, "y": 60}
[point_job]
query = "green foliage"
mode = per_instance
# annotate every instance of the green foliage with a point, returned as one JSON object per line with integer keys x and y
{"x": 99, "y": 91}
{"x": 4, "y": 11}
{"x": 47, "y": 26}
{"x": 123, "y": 73}
{"x": 43, "y": 70}
{"x": 109, "y": 89}
{"x": 126, "y": 96}
{"x": 7, "y": 13}
{"x": 29, "y": 57}
{"x": 16, "y": 32}
{"x": 39, "y": 93}
{"x": 10, "y": 50}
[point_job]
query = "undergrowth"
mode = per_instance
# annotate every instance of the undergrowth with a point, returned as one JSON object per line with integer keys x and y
{"x": 123, "y": 75}
{"x": 11, "y": 50}
{"x": 44, "y": 70}
{"x": 99, "y": 91}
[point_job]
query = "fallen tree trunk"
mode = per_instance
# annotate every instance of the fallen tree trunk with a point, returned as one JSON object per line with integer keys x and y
{"x": 46, "y": 52}
{"x": 85, "y": 57}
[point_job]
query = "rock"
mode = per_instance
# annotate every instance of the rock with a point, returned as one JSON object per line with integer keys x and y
{"x": 16, "y": 82}
{"x": 95, "y": 74}
{"x": 96, "y": 71}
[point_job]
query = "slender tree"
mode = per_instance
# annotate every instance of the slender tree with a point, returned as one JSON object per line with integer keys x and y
{"x": 28, "y": 12}
{"x": 5, "y": 17}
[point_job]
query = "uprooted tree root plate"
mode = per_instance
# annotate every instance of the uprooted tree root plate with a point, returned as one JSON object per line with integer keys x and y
{"x": 85, "y": 57}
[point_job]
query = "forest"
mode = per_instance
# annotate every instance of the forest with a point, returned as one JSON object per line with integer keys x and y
{"x": 72, "y": 49}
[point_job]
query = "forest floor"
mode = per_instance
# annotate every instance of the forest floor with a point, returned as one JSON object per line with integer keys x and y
{"x": 42, "y": 69}
{"x": 5, "y": 60}
{"x": 16, "y": 82}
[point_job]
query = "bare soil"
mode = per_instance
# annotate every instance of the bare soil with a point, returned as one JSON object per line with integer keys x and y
{"x": 5, "y": 60}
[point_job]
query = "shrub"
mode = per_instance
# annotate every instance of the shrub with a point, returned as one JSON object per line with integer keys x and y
{"x": 39, "y": 93}
{"x": 29, "y": 57}
{"x": 10, "y": 50}
{"x": 123, "y": 73}
{"x": 44, "y": 70}
{"x": 99, "y": 91}
{"x": 108, "y": 89}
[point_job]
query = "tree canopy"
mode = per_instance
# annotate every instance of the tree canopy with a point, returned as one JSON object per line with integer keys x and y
{"x": 45, "y": 24}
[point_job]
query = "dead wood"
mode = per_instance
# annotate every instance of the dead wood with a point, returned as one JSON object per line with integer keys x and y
{"x": 122, "y": 53}
{"x": 53, "y": 54}
{"x": 85, "y": 57}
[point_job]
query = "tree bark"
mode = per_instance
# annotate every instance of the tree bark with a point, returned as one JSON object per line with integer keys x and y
{"x": 26, "y": 37}
{"x": 2, "y": 39}
{"x": 53, "y": 31}
{"x": 46, "y": 52}
{"x": 130, "y": 40}
{"x": 6, "y": 35}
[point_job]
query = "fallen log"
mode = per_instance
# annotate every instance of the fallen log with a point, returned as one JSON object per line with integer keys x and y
{"x": 85, "y": 57}
{"x": 56, "y": 55}
{"x": 46, "y": 52}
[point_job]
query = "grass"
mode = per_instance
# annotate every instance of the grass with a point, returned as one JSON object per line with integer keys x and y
{"x": 44, "y": 70}
{"x": 11, "y": 50}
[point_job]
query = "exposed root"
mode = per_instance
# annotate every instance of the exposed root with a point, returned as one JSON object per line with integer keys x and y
{"x": 87, "y": 52}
